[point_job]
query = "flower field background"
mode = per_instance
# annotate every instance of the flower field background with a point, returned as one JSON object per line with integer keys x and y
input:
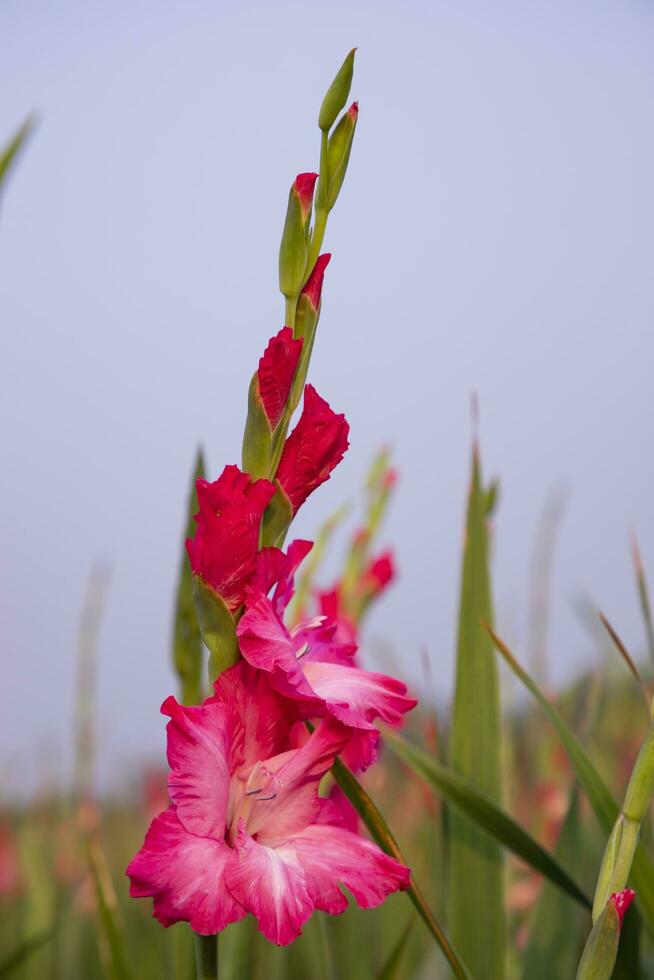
{"x": 505, "y": 834}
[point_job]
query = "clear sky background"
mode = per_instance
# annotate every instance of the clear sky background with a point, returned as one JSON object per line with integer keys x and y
{"x": 495, "y": 234}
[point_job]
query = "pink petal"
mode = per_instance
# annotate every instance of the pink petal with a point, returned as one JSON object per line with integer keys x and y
{"x": 267, "y": 645}
{"x": 264, "y": 717}
{"x": 199, "y": 740}
{"x": 185, "y": 875}
{"x": 333, "y": 855}
{"x": 270, "y": 883}
{"x": 357, "y": 697}
{"x": 289, "y": 786}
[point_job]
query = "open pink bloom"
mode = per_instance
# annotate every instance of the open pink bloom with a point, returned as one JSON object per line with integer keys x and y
{"x": 309, "y": 663}
{"x": 224, "y": 549}
{"x": 276, "y": 371}
{"x": 315, "y": 446}
{"x": 246, "y": 830}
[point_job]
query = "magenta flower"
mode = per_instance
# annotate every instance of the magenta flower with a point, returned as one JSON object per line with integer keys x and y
{"x": 224, "y": 550}
{"x": 303, "y": 187}
{"x": 246, "y": 830}
{"x": 311, "y": 664}
{"x": 276, "y": 371}
{"x": 315, "y": 446}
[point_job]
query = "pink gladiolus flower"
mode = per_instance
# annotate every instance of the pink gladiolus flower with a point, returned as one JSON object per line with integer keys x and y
{"x": 224, "y": 549}
{"x": 313, "y": 286}
{"x": 315, "y": 446}
{"x": 276, "y": 371}
{"x": 311, "y": 664}
{"x": 246, "y": 830}
{"x": 622, "y": 900}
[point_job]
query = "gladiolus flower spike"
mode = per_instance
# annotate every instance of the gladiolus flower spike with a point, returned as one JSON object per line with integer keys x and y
{"x": 246, "y": 831}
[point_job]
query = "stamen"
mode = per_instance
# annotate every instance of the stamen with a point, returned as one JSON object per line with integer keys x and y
{"x": 304, "y": 649}
{"x": 253, "y": 792}
{"x": 264, "y": 799}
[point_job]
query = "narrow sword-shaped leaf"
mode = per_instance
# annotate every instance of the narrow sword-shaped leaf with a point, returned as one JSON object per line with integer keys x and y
{"x": 599, "y": 795}
{"x": 23, "y": 952}
{"x": 381, "y": 834}
{"x": 107, "y": 904}
{"x": 187, "y": 642}
{"x": 390, "y": 970}
{"x": 486, "y": 814}
{"x": 476, "y": 861}
{"x": 10, "y": 151}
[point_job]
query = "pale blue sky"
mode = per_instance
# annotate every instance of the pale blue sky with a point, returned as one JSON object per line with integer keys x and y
{"x": 496, "y": 233}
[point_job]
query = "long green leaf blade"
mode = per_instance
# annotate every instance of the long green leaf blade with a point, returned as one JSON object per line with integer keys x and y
{"x": 555, "y": 938}
{"x": 10, "y": 151}
{"x": 599, "y": 795}
{"x": 476, "y": 861}
{"x": 187, "y": 642}
{"x": 16, "y": 959}
{"x": 382, "y": 835}
{"x": 487, "y": 815}
{"x": 391, "y": 968}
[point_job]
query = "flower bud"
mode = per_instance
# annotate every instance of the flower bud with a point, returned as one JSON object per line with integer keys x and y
{"x": 268, "y": 397}
{"x": 338, "y": 153}
{"x": 337, "y": 93}
{"x": 601, "y": 950}
{"x": 306, "y": 320}
{"x": 293, "y": 248}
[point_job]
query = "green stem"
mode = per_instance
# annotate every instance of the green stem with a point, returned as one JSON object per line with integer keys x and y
{"x": 289, "y": 316}
{"x": 206, "y": 957}
{"x": 320, "y": 224}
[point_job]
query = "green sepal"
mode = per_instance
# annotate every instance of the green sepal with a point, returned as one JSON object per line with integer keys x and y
{"x": 277, "y": 519}
{"x": 257, "y": 438}
{"x": 337, "y": 93}
{"x": 293, "y": 250}
{"x": 217, "y": 627}
{"x": 598, "y": 958}
{"x": 187, "y": 642}
{"x": 338, "y": 156}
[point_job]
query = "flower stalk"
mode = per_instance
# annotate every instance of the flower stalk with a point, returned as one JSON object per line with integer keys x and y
{"x": 206, "y": 957}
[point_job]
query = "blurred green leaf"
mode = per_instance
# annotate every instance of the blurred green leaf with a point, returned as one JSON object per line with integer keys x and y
{"x": 643, "y": 595}
{"x": 476, "y": 861}
{"x": 555, "y": 938}
{"x": 382, "y": 835}
{"x": 23, "y": 952}
{"x": 600, "y": 797}
{"x": 112, "y": 930}
{"x": 11, "y": 149}
{"x": 187, "y": 642}
{"x": 486, "y": 814}
{"x": 390, "y": 970}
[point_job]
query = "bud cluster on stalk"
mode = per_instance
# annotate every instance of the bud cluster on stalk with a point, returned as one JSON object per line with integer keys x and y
{"x": 290, "y": 465}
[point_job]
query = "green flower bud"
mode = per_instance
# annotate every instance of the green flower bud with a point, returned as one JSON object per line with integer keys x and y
{"x": 293, "y": 251}
{"x": 337, "y": 94}
{"x": 338, "y": 153}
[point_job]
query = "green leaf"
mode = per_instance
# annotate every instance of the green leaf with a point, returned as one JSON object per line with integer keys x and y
{"x": 277, "y": 519}
{"x": 257, "y": 438}
{"x": 108, "y": 912}
{"x": 555, "y": 934}
{"x": 486, "y": 814}
{"x": 217, "y": 628}
{"x": 187, "y": 641}
{"x": 599, "y": 795}
{"x": 476, "y": 861}
{"x": 10, "y": 151}
{"x": 390, "y": 970}
{"x": 381, "y": 834}
{"x": 23, "y": 952}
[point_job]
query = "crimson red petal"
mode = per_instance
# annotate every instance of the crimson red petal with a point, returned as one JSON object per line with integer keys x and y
{"x": 315, "y": 446}
{"x": 276, "y": 371}
{"x": 224, "y": 549}
{"x": 313, "y": 286}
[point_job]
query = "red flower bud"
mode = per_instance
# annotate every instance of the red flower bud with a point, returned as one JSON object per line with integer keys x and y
{"x": 380, "y": 572}
{"x": 313, "y": 286}
{"x": 315, "y": 446}
{"x": 621, "y": 901}
{"x": 276, "y": 372}
{"x": 224, "y": 550}
{"x": 303, "y": 187}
